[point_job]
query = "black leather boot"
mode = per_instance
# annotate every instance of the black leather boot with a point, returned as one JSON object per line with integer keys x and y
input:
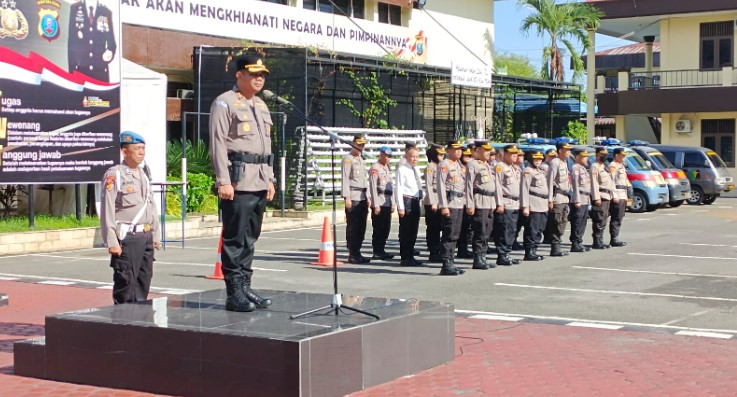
{"x": 478, "y": 262}
{"x": 449, "y": 269}
{"x": 464, "y": 253}
{"x": 599, "y": 243}
{"x": 617, "y": 242}
{"x": 491, "y": 265}
{"x": 556, "y": 251}
{"x": 534, "y": 252}
{"x": 237, "y": 300}
{"x": 530, "y": 255}
{"x": 578, "y": 247}
{"x": 260, "y": 302}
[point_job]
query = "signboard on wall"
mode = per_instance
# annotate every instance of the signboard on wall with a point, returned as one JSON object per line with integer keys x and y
{"x": 59, "y": 90}
{"x": 275, "y": 23}
{"x": 471, "y": 75}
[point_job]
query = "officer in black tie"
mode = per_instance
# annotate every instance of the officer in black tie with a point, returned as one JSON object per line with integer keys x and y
{"x": 91, "y": 45}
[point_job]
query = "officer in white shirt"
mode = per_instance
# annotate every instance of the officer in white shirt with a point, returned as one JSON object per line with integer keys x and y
{"x": 408, "y": 195}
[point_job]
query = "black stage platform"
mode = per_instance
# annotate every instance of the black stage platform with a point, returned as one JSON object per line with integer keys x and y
{"x": 190, "y": 346}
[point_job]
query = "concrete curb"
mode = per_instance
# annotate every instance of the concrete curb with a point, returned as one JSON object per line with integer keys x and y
{"x": 194, "y": 226}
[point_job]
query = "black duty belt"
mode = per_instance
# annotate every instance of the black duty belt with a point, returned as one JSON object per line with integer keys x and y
{"x": 358, "y": 189}
{"x": 408, "y": 197}
{"x": 250, "y": 158}
{"x": 559, "y": 191}
{"x": 385, "y": 192}
{"x": 483, "y": 192}
{"x": 585, "y": 193}
{"x": 453, "y": 193}
{"x": 512, "y": 197}
{"x": 536, "y": 194}
{"x": 621, "y": 187}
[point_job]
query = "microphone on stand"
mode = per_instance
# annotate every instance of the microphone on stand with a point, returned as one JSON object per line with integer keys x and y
{"x": 270, "y": 96}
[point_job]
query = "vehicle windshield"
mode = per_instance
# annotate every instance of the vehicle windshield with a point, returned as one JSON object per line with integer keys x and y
{"x": 636, "y": 162}
{"x": 659, "y": 160}
{"x": 716, "y": 160}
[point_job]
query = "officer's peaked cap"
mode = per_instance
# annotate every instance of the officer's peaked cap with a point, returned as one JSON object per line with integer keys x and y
{"x": 254, "y": 63}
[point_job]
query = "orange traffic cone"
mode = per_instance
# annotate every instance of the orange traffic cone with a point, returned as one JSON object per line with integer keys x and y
{"x": 218, "y": 273}
{"x": 327, "y": 247}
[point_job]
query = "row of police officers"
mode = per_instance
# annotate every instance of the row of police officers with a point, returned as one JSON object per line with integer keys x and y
{"x": 488, "y": 198}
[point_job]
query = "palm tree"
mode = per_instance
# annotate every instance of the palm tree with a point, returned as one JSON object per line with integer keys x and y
{"x": 563, "y": 23}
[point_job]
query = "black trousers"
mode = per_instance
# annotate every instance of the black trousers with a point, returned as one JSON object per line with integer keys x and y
{"x": 599, "y": 215}
{"x": 466, "y": 237}
{"x": 482, "y": 223}
{"x": 579, "y": 216}
{"x": 616, "y": 211}
{"x": 242, "y": 218}
{"x": 133, "y": 269}
{"x": 505, "y": 226}
{"x": 382, "y": 225}
{"x": 451, "y": 227}
{"x": 355, "y": 230}
{"x": 408, "y": 226}
{"x": 560, "y": 218}
{"x": 535, "y": 223}
{"x": 432, "y": 230}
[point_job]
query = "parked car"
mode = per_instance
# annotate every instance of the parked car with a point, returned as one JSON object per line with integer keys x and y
{"x": 706, "y": 171}
{"x": 650, "y": 189}
{"x": 679, "y": 188}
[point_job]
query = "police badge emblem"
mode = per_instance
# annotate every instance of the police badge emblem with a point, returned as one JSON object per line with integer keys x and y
{"x": 48, "y": 19}
{"x": 13, "y": 22}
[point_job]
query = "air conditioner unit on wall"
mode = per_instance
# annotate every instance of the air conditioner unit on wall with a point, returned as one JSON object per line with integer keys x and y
{"x": 683, "y": 126}
{"x": 185, "y": 94}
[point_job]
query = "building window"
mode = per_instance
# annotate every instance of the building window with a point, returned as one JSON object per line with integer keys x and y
{"x": 285, "y": 2}
{"x": 352, "y": 8}
{"x": 718, "y": 135}
{"x": 716, "y": 45}
{"x": 391, "y": 14}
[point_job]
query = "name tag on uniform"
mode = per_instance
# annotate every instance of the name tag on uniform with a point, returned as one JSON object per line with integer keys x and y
{"x": 246, "y": 128}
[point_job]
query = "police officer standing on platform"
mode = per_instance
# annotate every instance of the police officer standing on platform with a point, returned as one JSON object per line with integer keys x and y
{"x": 619, "y": 201}
{"x": 580, "y": 200}
{"x": 354, "y": 190}
{"x": 534, "y": 204}
{"x": 451, "y": 186}
{"x": 240, "y": 147}
{"x": 409, "y": 193}
{"x": 559, "y": 184}
{"x": 507, "y": 212}
{"x": 435, "y": 154}
{"x": 482, "y": 188}
{"x": 129, "y": 222}
{"x": 602, "y": 189}
{"x": 381, "y": 195}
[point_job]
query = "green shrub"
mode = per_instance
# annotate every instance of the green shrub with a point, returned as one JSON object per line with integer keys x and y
{"x": 199, "y": 188}
{"x": 198, "y": 158}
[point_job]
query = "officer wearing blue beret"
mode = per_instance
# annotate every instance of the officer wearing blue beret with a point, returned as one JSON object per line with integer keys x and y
{"x": 129, "y": 221}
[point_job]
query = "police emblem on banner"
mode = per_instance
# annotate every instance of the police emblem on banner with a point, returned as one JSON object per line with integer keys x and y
{"x": 13, "y": 22}
{"x": 48, "y": 19}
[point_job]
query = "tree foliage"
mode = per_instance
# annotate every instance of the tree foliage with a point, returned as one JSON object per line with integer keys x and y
{"x": 377, "y": 99}
{"x": 577, "y": 130}
{"x": 516, "y": 65}
{"x": 565, "y": 25}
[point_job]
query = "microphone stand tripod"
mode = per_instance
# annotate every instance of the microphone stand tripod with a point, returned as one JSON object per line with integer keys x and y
{"x": 337, "y": 301}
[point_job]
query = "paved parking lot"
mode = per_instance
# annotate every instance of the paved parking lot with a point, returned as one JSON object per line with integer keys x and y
{"x": 678, "y": 273}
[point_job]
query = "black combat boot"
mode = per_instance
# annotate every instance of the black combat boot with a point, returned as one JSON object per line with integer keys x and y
{"x": 463, "y": 252}
{"x": 578, "y": 247}
{"x": 478, "y": 262}
{"x": 599, "y": 243}
{"x": 530, "y": 255}
{"x": 260, "y": 302}
{"x": 534, "y": 252}
{"x": 435, "y": 258}
{"x": 503, "y": 260}
{"x": 449, "y": 269}
{"x": 617, "y": 242}
{"x": 237, "y": 300}
{"x": 556, "y": 251}
{"x": 491, "y": 265}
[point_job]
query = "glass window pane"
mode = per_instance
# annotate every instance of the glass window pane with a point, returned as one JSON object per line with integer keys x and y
{"x": 694, "y": 159}
{"x": 707, "y": 54}
{"x": 325, "y": 6}
{"x": 383, "y": 13}
{"x": 358, "y": 6}
{"x": 395, "y": 15}
{"x": 725, "y": 52}
{"x": 726, "y": 149}
{"x": 709, "y": 142}
{"x": 309, "y": 4}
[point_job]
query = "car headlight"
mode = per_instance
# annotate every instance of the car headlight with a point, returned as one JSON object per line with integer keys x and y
{"x": 649, "y": 183}
{"x": 673, "y": 181}
{"x": 659, "y": 179}
{"x": 721, "y": 180}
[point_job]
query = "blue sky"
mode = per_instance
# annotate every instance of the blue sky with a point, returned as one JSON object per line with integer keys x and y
{"x": 507, "y": 20}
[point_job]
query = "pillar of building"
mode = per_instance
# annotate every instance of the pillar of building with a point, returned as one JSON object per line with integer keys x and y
{"x": 590, "y": 86}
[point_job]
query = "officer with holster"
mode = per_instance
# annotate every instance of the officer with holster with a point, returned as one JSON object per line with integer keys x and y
{"x": 534, "y": 204}
{"x": 619, "y": 201}
{"x": 505, "y": 218}
{"x": 580, "y": 200}
{"x": 482, "y": 189}
{"x": 381, "y": 194}
{"x": 435, "y": 154}
{"x": 559, "y": 184}
{"x": 602, "y": 189}
{"x": 354, "y": 187}
{"x": 129, "y": 221}
{"x": 240, "y": 147}
{"x": 451, "y": 185}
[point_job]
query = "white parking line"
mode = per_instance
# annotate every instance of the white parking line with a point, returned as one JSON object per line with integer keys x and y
{"x": 494, "y": 317}
{"x": 601, "y": 291}
{"x": 156, "y": 263}
{"x": 678, "y": 320}
{"x": 654, "y": 272}
{"x": 594, "y": 325}
{"x": 72, "y": 280}
{"x": 57, "y": 282}
{"x": 619, "y": 323}
{"x": 684, "y": 256}
{"x": 705, "y": 334}
{"x": 708, "y": 245}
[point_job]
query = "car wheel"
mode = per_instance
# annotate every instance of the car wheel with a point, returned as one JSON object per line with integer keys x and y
{"x": 708, "y": 199}
{"x": 697, "y": 196}
{"x": 651, "y": 208}
{"x": 676, "y": 204}
{"x": 639, "y": 202}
